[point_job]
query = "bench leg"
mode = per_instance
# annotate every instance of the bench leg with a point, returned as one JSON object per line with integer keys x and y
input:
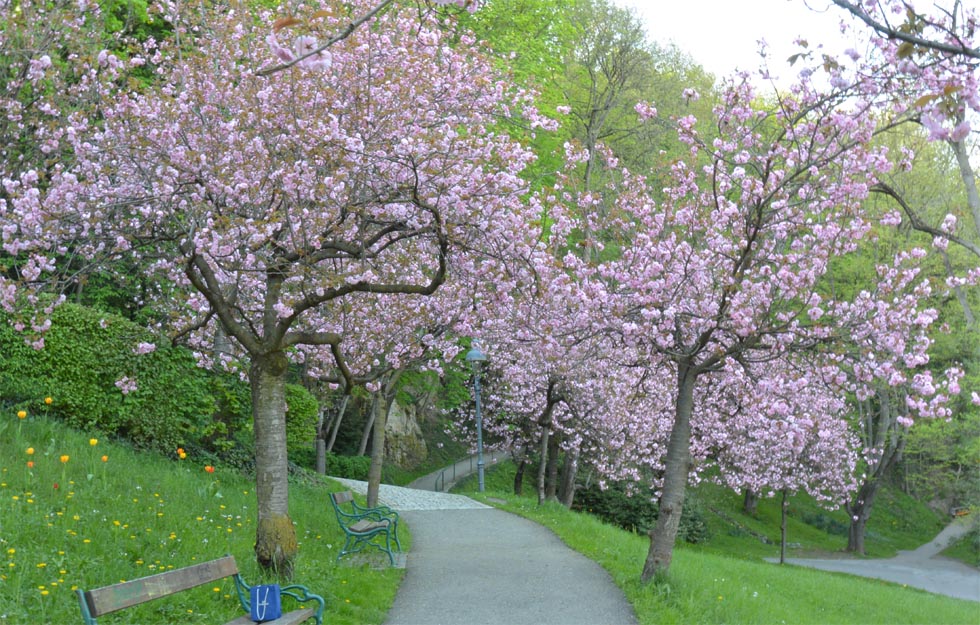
{"x": 355, "y": 543}
{"x": 395, "y": 530}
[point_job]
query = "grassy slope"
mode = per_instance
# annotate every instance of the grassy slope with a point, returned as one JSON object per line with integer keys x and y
{"x": 707, "y": 586}
{"x": 137, "y": 514}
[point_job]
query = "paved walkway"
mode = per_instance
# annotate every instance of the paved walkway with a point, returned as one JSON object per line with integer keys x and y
{"x": 922, "y": 568}
{"x": 444, "y": 479}
{"x": 475, "y": 565}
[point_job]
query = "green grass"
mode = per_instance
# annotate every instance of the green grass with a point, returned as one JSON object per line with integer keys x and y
{"x": 86, "y": 523}
{"x": 705, "y": 586}
{"x": 897, "y": 522}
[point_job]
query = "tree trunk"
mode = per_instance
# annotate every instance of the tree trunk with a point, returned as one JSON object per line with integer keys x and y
{"x": 969, "y": 180}
{"x": 881, "y": 431}
{"x": 362, "y": 449}
{"x": 320, "y": 442}
{"x": 860, "y": 511}
{"x": 959, "y": 292}
{"x": 380, "y": 408}
{"x": 519, "y": 477}
{"x": 751, "y": 503}
{"x": 551, "y": 484}
{"x": 543, "y": 466}
{"x": 568, "y": 477}
{"x": 782, "y": 528}
{"x": 855, "y": 534}
{"x": 321, "y": 456}
{"x": 677, "y": 465}
{"x": 275, "y": 541}
{"x": 336, "y": 423}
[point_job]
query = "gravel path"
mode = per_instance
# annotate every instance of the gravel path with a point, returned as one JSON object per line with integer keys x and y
{"x": 402, "y": 499}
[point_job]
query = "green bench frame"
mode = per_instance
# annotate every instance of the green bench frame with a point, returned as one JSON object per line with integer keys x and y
{"x": 94, "y": 603}
{"x": 365, "y": 527}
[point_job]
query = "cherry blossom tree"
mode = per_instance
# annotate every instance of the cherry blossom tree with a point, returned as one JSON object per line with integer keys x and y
{"x": 784, "y": 432}
{"x": 922, "y": 66}
{"x": 271, "y": 203}
{"x": 729, "y": 269}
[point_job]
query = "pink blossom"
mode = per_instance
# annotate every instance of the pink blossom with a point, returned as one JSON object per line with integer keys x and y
{"x": 645, "y": 110}
{"x": 144, "y": 348}
{"x": 960, "y": 132}
{"x": 126, "y": 384}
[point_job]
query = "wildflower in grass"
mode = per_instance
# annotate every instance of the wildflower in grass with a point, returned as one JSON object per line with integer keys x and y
{"x": 181, "y": 453}
{"x": 105, "y": 458}
{"x": 209, "y": 469}
{"x": 21, "y": 414}
{"x": 56, "y": 485}
{"x": 30, "y": 451}
{"x": 48, "y": 401}
{"x": 93, "y": 442}
{"x": 30, "y": 464}
{"x": 65, "y": 458}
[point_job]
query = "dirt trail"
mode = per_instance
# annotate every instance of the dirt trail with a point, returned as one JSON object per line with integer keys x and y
{"x": 921, "y": 568}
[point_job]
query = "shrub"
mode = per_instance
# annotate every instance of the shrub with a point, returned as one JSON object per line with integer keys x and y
{"x": 826, "y": 523}
{"x": 639, "y": 514}
{"x": 350, "y": 467}
{"x": 85, "y": 367}
{"x": 302, "y": 411}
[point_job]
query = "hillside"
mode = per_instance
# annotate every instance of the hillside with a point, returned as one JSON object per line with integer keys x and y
{"x": 80, "y": 511}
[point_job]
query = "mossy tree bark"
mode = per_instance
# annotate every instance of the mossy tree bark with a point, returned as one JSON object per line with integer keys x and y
{"x": 275, "y": 540}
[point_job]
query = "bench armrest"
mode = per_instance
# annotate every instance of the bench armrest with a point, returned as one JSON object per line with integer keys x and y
{"x": 377, "y": 513}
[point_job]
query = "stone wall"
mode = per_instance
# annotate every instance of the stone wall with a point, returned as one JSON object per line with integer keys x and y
{"x": 404, "y": 445}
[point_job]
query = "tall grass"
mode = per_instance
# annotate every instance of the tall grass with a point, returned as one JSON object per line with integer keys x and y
{"x": 707, "y": 587}
{"x": 77, "y": 511}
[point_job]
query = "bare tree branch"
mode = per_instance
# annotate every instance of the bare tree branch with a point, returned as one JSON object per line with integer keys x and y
{"x": 921, "y": 226}
{"x": 344, "y": 34}
{"x": 894, "y": 33}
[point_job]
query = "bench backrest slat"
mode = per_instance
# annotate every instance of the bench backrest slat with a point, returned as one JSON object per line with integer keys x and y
{"x": 342, "y": 497}
{"x": 126, "y": 594}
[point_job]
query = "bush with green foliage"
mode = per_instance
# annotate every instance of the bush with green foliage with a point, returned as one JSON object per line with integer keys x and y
{"x": 639, "y": 514}
{"x": 825, "y": 522}
{"x": 302, "y": 411}
{"x": 89, "y": 366}
{"x": 350, "y": 467}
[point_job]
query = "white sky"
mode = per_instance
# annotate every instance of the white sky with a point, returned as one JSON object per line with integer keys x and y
{"x": 723, "y": 35}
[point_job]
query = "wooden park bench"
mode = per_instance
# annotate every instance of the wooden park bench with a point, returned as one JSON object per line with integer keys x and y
{"x": 365, "y": 527}
{"x": 95, "y": 603}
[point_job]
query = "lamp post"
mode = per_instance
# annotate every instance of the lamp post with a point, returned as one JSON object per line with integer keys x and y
{"x": 476, "y": 357}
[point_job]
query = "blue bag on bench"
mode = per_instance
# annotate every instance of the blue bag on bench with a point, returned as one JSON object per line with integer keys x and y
{"x": 266, "y": 602}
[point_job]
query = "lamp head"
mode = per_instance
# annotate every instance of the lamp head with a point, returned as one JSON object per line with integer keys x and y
{"x": 475, "y": 356}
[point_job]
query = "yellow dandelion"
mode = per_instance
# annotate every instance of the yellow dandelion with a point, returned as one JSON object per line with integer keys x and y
{"x": 21, "y": 414}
